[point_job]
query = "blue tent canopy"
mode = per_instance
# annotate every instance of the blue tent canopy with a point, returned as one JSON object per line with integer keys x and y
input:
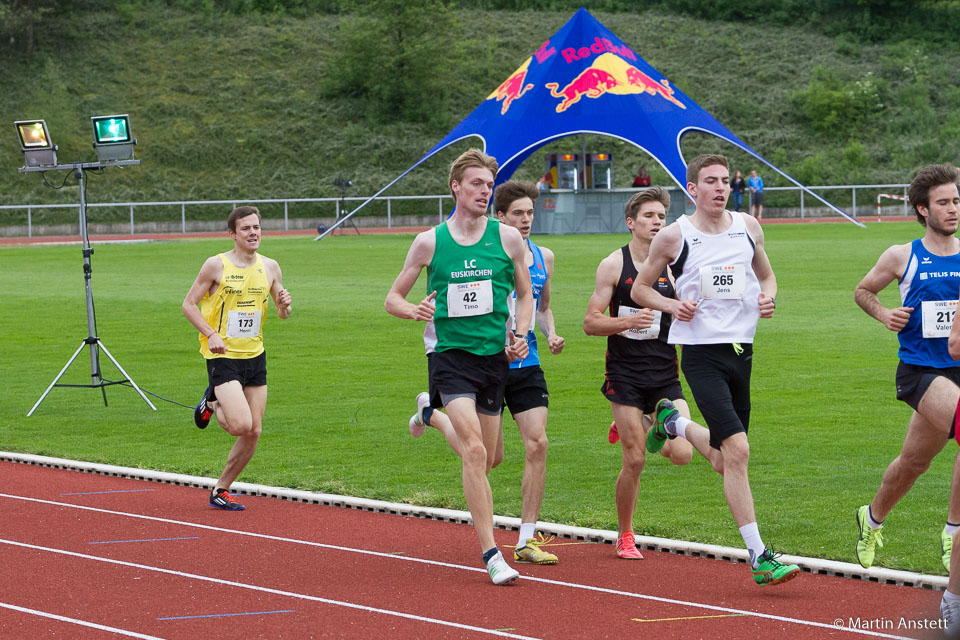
{"x": 584, "y": 79}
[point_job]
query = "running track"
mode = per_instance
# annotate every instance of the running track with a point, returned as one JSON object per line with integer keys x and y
{"x": 96, "y": 556}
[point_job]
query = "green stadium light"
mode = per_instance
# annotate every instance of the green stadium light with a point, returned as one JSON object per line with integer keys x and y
{"x": 113, "y": 138}
{"x": 38, "y": 149}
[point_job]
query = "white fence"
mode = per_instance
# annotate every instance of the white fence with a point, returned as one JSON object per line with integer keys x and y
{"x": 340, "y": 206}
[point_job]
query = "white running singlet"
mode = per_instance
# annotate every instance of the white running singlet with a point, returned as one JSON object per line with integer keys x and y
{"x": 716, "y": 272}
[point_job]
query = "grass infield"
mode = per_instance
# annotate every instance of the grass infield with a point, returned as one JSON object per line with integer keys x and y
{"x": 343, "y": 375}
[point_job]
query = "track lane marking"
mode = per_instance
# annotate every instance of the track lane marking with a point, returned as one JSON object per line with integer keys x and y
{"x": 83, "y": 623}
{"x": 270, "y": 590}
{"x": 572, "y": 585}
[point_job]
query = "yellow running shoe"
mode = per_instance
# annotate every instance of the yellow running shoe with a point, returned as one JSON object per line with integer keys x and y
{"x": 946, "y": 546}
{"x": 531, "y": 553}
{"x": 869, "y": 539}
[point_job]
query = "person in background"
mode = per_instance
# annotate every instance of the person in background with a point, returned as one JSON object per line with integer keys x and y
{"x": 642, "y": 178}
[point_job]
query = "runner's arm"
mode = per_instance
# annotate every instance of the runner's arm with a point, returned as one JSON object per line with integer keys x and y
{"x": 596, "y": 322}
{"x": 281, "y": 297}
{"x": 663, "y": 250}
{"x": 762, "y": 269}
{"x": 207, "y": 279}
{"x": 418, "y": 257}
{"x": 544, "y": 312}
{"x": 889, "y": 267}
{"x": 513, "y": 244}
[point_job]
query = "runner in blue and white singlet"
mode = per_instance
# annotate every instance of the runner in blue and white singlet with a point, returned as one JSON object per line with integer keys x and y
{"x": 927, "y": 271}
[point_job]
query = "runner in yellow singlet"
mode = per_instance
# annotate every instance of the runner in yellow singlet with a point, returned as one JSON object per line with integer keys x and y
{"x": 232, "y": 290}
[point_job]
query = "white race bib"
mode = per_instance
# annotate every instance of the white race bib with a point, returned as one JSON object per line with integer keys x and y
{"x": 469, "y": 298}
{"x": 650, "y": 333}
{"x": 512, "y": 306}
{"x": 723, "y": 282}
{"x": 243, "y": 324}
{"x": 937, "y": 317}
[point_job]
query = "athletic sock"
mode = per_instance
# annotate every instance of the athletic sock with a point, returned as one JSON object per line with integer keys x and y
{"x": 527, "y": 530}
{"x": 488, "y": 554}
{"x": 677, "y": 426}
{"x": 751, "y": 538}
{"x": 950, "y": 597}
{"x": 873, "y": 523}
{"x": 426, "y": 414}
{"x": 951, "y": 528}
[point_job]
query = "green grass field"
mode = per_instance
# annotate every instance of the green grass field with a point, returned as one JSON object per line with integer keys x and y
{"x": 343, "y": 375}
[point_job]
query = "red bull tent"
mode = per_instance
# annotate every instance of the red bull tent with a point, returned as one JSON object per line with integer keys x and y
{"x": 584, "y": 79}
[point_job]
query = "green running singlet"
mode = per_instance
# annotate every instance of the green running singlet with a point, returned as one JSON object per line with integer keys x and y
{"x": 472, "y": 285}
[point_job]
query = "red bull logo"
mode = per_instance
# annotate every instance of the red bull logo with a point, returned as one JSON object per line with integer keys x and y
{"x": 610, "y": 73}
{"x": 513, "y": 87}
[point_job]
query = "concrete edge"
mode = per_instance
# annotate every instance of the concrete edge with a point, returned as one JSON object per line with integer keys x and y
{"x": 696, "y": 549}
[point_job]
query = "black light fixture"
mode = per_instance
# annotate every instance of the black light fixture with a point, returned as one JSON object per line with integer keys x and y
{"x": 38, "y": 149}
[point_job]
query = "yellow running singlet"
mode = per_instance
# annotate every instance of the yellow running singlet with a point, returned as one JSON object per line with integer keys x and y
{"x": 237, "y": 310}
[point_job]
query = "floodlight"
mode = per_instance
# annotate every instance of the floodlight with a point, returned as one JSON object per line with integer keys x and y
{"x": 112, "y": 137}
{"x": 38, "y": 150}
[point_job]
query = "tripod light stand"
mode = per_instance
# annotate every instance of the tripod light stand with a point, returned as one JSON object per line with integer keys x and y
{"x": 112, "y": 136}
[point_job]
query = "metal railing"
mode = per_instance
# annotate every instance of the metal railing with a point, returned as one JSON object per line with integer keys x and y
{"x": 339, "y": 209}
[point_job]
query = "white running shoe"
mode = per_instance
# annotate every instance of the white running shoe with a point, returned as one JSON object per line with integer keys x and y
{"x": 417, "y": 427}
{"x": 500, "y": 571}
{"x": 950, "y": 614}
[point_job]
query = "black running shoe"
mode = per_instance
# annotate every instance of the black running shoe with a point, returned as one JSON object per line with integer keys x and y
{"x": 202, "y": 413}
{"x": 223, "y": 500}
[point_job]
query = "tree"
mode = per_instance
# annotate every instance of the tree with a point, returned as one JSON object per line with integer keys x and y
{"x": 19, "y": 17}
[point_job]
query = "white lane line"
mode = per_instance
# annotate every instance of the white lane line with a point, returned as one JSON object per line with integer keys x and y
{"x": 571, "y": 585}
{"x": 279, "y": 592}
{"x": 83, "y": 623}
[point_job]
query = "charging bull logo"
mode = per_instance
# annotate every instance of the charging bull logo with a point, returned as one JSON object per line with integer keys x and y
{"x": 610, "y": 73}
{"x": 513, "y": 87}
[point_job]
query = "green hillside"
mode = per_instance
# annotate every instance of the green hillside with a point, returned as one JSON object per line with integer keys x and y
{"x": 262, "y": 106}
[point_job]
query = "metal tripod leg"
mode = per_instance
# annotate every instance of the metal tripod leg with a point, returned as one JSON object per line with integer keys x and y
{"x": 125, "y": 375}
{"x": 100, "y": 345}
{"x": 59, "y": 375}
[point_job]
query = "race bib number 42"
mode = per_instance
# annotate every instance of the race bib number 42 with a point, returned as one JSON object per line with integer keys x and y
{"x": 723, "y": 282}
{"x": 938, "y": 317}
{"x": 469, "y": 298}
{"x": 243, "y": 324}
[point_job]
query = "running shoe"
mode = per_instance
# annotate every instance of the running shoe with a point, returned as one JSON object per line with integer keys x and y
{"x": 613, "y": 436}
{"x": 627, "y": 547}
{"x": 202, "y": 413}
{"x": 658, "y": 435}
{"x": 771, "y": 571}
{"x": 950, "y": 614}
{"x": 946, "y": 546}
{"x": 869, "y": 539}
{"x": 500, "y": 572}
{"x": 416, "y": 424}
{"x": 223, "y": 500}
{"x": 531, "y": 553}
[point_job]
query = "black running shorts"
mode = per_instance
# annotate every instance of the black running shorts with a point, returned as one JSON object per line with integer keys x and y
{"x": 914, "y": 380}
{"x": 634, "y": 393}
{"x": 249, "y": 372}
{"x": 526, "y": 389}
{"x": 458, "y": 372}
{"x": 719, "y": 379}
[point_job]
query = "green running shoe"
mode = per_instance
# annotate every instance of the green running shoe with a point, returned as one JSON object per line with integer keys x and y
{"x": 657, "y": 436}
{"x": 946, "y": 546}
{"x": 869, "y": 539}
{"x": 771, "y": 571}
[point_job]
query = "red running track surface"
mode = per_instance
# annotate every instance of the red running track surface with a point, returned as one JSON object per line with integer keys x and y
{"x": 114, "y": 557}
